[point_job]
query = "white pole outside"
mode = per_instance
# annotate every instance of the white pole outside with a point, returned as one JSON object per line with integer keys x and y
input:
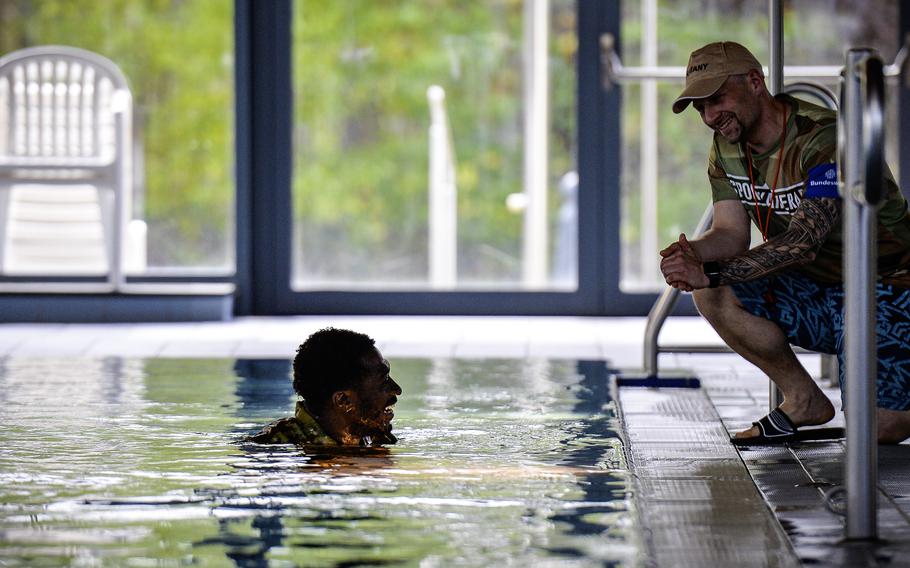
{"x": 443, "y": 201}
{"x": 648, "y": 148}
{"x": 536, "y": 153}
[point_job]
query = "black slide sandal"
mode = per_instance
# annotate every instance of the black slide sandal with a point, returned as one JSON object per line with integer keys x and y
{"x": 777, "y": 428}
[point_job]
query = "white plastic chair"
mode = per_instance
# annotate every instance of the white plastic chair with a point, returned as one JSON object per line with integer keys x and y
{"x": 65, "y": 163}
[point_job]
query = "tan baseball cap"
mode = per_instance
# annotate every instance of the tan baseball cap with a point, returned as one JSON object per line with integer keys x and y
{"x": 710, "y": 66}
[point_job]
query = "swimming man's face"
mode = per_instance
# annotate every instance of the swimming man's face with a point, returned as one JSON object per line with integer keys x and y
{"x": 374, "y": 399}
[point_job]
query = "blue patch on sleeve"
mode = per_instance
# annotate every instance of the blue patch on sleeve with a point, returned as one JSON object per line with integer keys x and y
{"x": 822, "y": 182}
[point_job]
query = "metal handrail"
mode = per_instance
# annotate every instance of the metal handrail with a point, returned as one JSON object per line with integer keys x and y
{"x": 873, "y": 126}
{"x": 664, "y": 306}
{"x": 862, "y": 152}
{"x": 821, "y": 92}
{"x": 615, "y": 73}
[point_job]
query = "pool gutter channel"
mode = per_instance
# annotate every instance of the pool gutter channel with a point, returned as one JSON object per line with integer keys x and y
{"x": 696, "y": 501}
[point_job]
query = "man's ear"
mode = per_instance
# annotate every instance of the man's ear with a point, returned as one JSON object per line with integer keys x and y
{"x": 755, "y": 79}
{"x": 343, "y": 400}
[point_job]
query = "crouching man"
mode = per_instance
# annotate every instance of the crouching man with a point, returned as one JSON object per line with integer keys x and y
{"x": 772, "y": 164}
{"x": 347, "y": 394}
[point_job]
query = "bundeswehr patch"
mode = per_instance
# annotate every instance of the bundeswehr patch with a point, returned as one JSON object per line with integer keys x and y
{"x": 822, "y": 182}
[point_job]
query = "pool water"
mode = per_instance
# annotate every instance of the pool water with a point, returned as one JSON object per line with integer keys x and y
{"x": 121, "y": 462}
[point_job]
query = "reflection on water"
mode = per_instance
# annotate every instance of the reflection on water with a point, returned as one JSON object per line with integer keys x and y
{"x": 115, "y": 462}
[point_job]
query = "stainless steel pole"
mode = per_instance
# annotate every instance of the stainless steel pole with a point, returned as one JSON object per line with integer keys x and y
{"x": 776, "y": 65}
{"x": 860, "y": 147}
{"x": 776, "y": 70}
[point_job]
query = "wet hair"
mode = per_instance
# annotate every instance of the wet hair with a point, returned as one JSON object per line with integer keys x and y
{"x": 330, "y": 360}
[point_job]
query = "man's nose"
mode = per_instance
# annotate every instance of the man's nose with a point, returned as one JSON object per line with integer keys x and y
{"x": 710, "y": 114}
{"x": 395, "y": 388}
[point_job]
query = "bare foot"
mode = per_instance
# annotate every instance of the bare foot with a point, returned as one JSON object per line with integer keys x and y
{"x": 815, "y": 410}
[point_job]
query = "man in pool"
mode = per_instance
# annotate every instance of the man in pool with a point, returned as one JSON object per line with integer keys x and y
{"x": 347, "y": 394}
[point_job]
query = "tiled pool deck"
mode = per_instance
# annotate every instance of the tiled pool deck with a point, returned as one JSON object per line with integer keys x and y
{"x": 702, "y": 502}
{"x": 615, "y": 339}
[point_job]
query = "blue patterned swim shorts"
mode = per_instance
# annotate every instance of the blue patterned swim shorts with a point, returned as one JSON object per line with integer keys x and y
{"x": 812, "y": 317}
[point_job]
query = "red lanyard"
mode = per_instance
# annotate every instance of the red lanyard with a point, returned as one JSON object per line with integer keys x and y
{"x": 763, "y": 227}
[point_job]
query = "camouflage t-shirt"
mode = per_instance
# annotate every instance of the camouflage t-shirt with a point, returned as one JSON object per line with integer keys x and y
{"x": 810, "y": 150}
{"x": 301, "y": 429}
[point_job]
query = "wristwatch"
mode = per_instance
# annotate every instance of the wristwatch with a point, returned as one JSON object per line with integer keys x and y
{"x": 712, "y": 271}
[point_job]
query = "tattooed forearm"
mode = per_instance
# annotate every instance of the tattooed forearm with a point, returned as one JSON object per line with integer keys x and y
{"x": 809, "y": 227}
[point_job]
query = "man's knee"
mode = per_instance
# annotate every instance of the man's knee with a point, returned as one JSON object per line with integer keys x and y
{"x": 893, "y": 426}
{"x": 712, "y": 302}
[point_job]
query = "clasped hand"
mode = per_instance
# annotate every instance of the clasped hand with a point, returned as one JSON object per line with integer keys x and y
{"x": 681, "y": 266}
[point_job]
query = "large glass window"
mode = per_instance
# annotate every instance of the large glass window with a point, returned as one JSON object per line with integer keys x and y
{"x": 434, "y": 145}
{"x": 178, "y": 60}
{"x": 664, "y": 180}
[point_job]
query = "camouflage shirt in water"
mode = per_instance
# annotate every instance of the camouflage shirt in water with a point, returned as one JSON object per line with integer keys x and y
{"x": 811, "y": 141}
{"x": 301, "y": 429}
